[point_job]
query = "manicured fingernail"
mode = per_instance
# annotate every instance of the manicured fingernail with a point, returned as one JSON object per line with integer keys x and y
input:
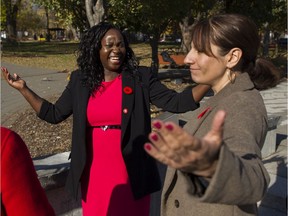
{"x": 154, "y": 137}
{"x": 157, "y": 125}
{"x": 147, "y": 147}
{"x": 169, "y": 127}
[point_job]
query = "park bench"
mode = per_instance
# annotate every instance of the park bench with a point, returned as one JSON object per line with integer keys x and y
{"x": 269, "y": 146}
{"x": 171, "y": 60}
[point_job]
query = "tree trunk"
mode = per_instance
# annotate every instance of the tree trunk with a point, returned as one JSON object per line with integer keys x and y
{"x": 47, "y": 25}
{"x": 11, "y": 19}
{"x": 95, "y": 13}
{"x": 186, "y": 26}
{"x": 186, "y": 35}
{"x": 154, "y": 47}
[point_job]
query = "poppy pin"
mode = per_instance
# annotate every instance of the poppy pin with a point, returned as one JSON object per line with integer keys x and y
{"x": 203, "y": 113}
{"x": 128, "y": 90}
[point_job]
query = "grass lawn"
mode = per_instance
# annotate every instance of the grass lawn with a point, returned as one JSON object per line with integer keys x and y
{"x": 62, "y": 55}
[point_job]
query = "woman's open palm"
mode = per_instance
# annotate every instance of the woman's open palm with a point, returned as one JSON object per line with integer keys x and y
{"x": 173, "y": 146}
{"x": 13, "y": 80}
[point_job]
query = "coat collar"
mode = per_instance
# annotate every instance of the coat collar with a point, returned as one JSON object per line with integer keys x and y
{"x": 128, "y": 100}
{"x": 242, "y": 83}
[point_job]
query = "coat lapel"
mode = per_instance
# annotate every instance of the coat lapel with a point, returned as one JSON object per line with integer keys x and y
{"x": 197, "y": 118}
{"x": 128, "y": 98}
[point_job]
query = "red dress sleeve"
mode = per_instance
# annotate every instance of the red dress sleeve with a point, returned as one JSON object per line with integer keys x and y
{"x": 21, "y": 191}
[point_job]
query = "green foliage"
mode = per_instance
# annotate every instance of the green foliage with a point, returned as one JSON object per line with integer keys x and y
{"x": 279, "y": 13}
{"x": 28, "y": 19}
{"x": 67, "y": 12}
{"x": 147, "y": 16}
{"x": 273, "y": 12}
{"x": 3, "y": 16}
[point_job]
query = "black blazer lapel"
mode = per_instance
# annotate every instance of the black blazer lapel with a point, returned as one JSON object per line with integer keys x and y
{"x": 127, "y": 101}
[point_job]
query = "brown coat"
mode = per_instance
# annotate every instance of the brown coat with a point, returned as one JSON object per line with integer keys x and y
{"x": 240, "y": 179}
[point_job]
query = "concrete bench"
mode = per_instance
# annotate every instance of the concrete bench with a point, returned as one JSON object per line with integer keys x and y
{"x": 269, "y": 146}
{"x": 52, "y": 172}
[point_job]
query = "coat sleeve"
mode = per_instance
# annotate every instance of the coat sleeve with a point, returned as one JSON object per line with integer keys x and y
{"x": 63, "y": 108}
{"x": 240, "y": 177}
{"x": 22, "y": 193}
{"x": 165, "y": 98}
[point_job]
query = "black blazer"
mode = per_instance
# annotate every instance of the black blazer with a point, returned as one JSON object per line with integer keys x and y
{"x": 135, "y": 126}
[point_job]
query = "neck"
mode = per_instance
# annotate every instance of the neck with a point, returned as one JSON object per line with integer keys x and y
{"x": 220, "y": 87}
{"x": 110, "y": 75}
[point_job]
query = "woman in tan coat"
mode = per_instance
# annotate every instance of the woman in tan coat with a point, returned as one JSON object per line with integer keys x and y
{"x": 215, "y": 168}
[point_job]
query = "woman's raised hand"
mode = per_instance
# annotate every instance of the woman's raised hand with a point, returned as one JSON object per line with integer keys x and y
{"x": 13, "y": 80}
{"x": 173, "y": 146}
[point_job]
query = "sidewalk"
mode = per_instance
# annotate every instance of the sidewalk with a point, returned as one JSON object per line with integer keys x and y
{"x": 43, "y": 81}
{"x": 48, "y": 82}
{"x": 275, "y": 201}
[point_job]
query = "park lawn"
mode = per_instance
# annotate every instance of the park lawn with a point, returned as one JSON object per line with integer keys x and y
{"x": 61, "y": 56}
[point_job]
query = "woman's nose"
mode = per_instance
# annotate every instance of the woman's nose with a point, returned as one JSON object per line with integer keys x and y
{"x": 116, "y": 49}
{"x": 188, "y": 59}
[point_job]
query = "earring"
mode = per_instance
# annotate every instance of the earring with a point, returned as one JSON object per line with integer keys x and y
{"x": 231, "y": 76}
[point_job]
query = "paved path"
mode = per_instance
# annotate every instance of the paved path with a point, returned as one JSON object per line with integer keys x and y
{"x": 48, "y": 82}
{"x": 43, "y": 81}
{"x": 275, "y": 201}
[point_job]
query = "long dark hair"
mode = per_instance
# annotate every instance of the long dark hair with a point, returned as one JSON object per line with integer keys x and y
{"x": 89, "y": 62}
{"x": 228, "y": 31}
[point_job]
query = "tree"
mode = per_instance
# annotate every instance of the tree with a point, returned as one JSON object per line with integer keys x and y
{"x": 197, "y": 10}
{"x": 3, "y": 16}
{"x": 12, "y": 8}
{"x": 73, "y": 13}
{"x": 95, "y": 12}
{"x": 150, "y": 17}
{"x": 262, "y": 12}
{"x": 279, "y": 13}
{"x": 28, "y": 19}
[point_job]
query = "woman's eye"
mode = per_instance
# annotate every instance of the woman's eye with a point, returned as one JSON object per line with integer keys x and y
{"x": 121, "y": 45}
{"x": 108, "y": 45}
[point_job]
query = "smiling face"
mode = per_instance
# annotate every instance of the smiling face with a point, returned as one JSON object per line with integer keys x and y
{"x": 113, "y": 51}
{"x": 205, "y": 69}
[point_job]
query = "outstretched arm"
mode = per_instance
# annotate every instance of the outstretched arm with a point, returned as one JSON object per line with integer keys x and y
{"x": 16, "y": 82}
{"x": 173, "y": 146}
{"x": 199, "y": 91}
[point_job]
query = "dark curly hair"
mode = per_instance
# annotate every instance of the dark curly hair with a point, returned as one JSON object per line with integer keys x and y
{"x": 88, "y": 59}
{"x": 234, "y": 30}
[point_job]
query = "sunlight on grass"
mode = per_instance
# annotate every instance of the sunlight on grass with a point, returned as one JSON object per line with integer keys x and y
{"x": 57, "y": 56}
{"x": 61, "y": 56}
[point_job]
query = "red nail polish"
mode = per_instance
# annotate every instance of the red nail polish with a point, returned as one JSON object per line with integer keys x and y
{"x": 169, "y": 127}
{"x": 147, "y": 147}
{"x": 157, "y": 125}
{"x": 154, "y": 137}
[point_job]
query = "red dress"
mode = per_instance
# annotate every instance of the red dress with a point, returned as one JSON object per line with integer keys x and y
{"x": 21, "y": 191}
{"x": 105, "y": 183}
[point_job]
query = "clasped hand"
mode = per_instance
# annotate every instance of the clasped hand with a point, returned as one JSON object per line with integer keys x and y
{"x": 173, "y": 146}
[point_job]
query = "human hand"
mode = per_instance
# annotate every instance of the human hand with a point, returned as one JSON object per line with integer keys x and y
{"x": 14, "y": 81}
{"x": 173, "y": 146}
